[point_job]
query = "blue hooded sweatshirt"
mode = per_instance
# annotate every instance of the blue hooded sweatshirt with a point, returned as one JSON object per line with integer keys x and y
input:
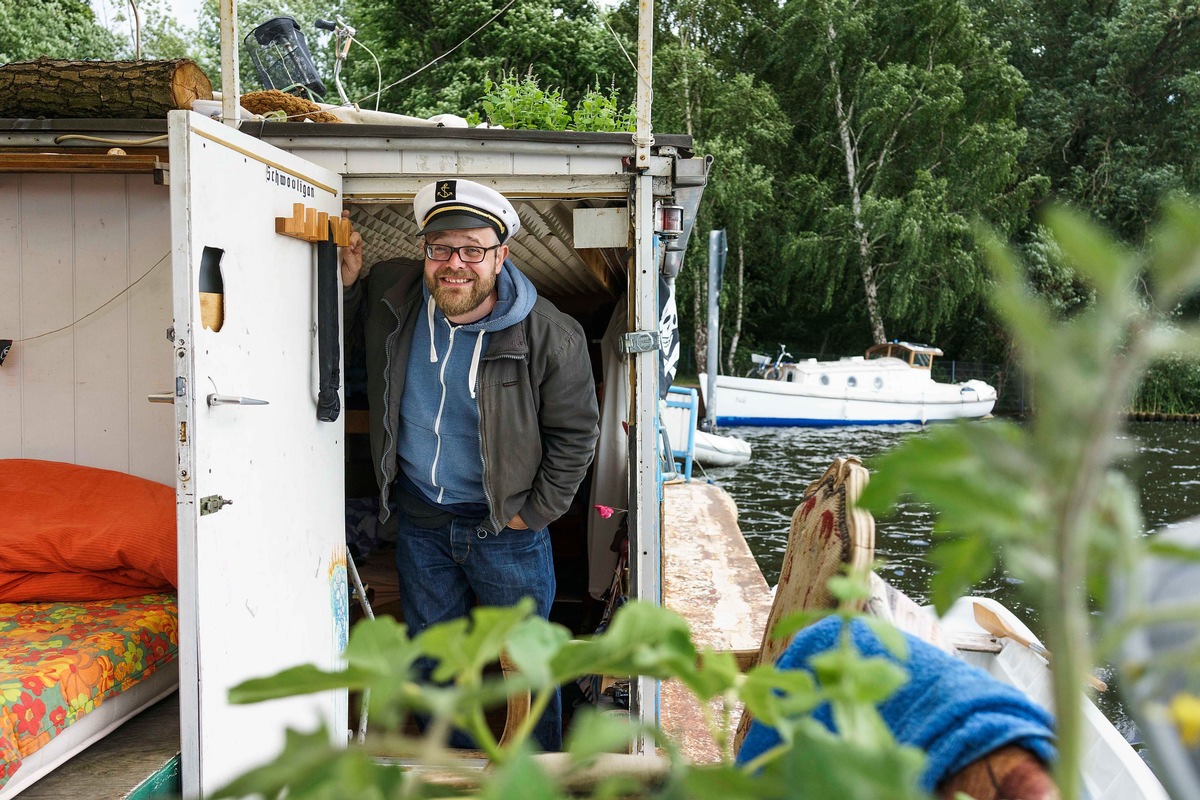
{"x": 439, "y": 445}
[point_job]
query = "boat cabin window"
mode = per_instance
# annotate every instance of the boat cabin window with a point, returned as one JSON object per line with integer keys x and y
{"x": 914, "y": 355}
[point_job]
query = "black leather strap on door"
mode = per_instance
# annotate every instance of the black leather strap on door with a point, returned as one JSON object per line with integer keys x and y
{"x": 329, "y": 350}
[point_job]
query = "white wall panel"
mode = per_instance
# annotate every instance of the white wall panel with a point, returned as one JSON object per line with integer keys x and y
{"x": 486, "y": 164}
{"x": 594, "y": 165}
{"x": 10, "y": 315}
{"x": 386, "y": 162}
{"x": 151, "y": 425}
{"x": 75, "y": 243}
{"x": 333, "y": 159}
{"x": 47, "y": 303}
{"x": 436, "y": 164}
{"x": 538, "y": 164}
{"x": 101, "y": 333}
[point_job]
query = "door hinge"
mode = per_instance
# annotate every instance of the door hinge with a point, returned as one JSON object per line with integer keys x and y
{"x": 641, "y": 342}
{"x": 213, "y": 503}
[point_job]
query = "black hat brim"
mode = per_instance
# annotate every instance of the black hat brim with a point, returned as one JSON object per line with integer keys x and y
{"x": 458, "y": 221}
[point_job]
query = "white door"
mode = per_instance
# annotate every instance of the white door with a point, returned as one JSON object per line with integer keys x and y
{"x": 262, "y": 558}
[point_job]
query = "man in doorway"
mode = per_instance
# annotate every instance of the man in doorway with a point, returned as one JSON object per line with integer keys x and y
{"x": 483, "y": 411}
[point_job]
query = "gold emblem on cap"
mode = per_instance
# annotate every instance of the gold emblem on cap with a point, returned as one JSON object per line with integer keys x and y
{"x": 444, "y": 191}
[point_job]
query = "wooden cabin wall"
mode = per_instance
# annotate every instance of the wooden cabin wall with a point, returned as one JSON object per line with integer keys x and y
{"x": 69, "y": 244}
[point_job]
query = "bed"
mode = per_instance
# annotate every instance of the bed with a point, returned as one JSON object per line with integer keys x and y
{"x": 88, "y": 614}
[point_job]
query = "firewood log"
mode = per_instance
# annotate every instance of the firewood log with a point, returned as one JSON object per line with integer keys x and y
{"x": 51, "y": 87}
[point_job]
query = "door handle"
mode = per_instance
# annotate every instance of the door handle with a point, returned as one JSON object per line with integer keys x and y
{"x": 161, "y": 397}
{"x": 233, "y": 400}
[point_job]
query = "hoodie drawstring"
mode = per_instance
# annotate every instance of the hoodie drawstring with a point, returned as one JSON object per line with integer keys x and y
{"x": 475, "y": 363}
{"x": 429, "y": 315}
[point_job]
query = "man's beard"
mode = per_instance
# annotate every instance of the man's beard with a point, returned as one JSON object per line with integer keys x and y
{"x": 456, "y": 301}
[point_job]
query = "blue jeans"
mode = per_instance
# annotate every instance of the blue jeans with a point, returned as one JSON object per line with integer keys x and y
{"x": 447, "y": 570}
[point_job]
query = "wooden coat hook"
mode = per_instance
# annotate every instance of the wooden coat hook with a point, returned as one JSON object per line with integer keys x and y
{"x": 311, "y": 225}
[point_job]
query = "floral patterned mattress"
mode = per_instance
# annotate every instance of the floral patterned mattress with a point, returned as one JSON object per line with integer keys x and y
{"x": 60, "y": 661}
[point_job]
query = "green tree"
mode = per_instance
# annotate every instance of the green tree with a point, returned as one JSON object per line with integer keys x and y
{"x": 436, "y": 55}
{"x": 1113, "y": 111}
{"x": 905, "y": 130}
{"x": 154, "y": 28}
{"x": 252, "y": 13}
{"x": 30, "y": 29}
{"x": 700, "y": 89}
{"x": 162, "y": 35}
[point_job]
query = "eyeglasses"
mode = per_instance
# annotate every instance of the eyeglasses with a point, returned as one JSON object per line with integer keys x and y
{"x": 469, "y": 254}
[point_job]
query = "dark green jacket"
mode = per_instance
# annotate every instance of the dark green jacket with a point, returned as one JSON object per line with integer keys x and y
{"x": 537, "y": 400}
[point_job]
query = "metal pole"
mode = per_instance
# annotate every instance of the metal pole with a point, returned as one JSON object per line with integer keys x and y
{"x": 645, "y": 559}
{"x": 231, "y": 98}
{"x": 716, "y": 264}
{"x": 642, "y": 138}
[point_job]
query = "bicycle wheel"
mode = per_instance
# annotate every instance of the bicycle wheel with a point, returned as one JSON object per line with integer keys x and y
{"x": 771, "y": 374}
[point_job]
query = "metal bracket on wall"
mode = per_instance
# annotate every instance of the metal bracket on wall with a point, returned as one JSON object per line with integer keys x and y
{"x": 213, "y": 503}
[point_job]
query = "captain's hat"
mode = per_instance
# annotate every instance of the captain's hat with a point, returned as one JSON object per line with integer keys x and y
{"x": 460, "y": 204}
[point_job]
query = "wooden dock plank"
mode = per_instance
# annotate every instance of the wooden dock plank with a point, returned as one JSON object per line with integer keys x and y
{"x": 710, "y": 577}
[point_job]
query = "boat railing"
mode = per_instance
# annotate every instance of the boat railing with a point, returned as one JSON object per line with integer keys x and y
{"x": 688, "y": 400}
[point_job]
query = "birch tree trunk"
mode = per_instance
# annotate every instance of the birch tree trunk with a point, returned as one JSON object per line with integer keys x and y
{"x": 738, "y": 310}
{"x": 849, "y": 149}
{"x": 699, "y": 281}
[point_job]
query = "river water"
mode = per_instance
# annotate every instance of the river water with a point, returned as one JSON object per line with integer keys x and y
{"x": 1162, "y": 459}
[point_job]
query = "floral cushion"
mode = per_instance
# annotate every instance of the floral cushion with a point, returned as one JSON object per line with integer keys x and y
{"x": 59, "y": 661}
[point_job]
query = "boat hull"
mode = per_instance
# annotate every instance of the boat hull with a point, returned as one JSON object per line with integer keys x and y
{"x": 754, "y": 401}
{"x": 1111, "y": 769}
{"x": 713, "y": 450}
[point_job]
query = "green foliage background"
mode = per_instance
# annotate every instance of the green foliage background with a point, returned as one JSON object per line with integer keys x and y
{"x": 944, "y": 111}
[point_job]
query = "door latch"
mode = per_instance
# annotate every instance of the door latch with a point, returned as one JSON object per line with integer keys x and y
{"x": 641, "y": 342}
{"x": 213, "y": 503}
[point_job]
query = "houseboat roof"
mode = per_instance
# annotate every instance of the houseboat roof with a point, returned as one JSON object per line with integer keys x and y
{"x": 572, "y": 189}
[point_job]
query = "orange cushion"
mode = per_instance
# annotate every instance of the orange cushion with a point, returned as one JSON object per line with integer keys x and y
{"x": 69, "y": 532}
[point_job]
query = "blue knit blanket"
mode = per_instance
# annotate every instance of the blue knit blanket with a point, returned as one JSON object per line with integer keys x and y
{"x": 953, "y": 711}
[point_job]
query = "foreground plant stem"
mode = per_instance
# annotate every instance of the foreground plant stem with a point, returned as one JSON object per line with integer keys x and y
{"x": 1068, "y": 624}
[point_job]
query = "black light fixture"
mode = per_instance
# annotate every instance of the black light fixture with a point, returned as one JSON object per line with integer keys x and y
{"x": 280, "y": 55}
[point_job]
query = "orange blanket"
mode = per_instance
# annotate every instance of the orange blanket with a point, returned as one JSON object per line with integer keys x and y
{"x": 70, "y": 533}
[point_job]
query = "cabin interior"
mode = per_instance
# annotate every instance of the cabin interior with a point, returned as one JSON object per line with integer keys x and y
{"x": 88, "y": 296}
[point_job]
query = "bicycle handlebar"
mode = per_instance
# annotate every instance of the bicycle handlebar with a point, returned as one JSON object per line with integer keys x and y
{"x": 325, "y": 25}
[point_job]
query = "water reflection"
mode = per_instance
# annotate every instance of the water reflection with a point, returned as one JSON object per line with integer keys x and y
{"x": 1162, "y": 460}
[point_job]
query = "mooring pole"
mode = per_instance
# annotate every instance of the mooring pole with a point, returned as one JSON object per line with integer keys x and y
{"x": 717, "y": 247}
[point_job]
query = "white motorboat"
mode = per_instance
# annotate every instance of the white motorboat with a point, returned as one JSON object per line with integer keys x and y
{"x": 892, "y": 383}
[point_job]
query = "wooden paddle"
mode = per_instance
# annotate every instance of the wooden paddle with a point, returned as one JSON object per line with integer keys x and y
{"x": 991, "y": 622}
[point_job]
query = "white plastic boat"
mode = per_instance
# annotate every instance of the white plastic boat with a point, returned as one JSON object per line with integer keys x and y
{"x": 891, "y": 384}
{"x": 1112, "y": 770}
{"x": 715, "y": 450}
{"x": 679, "y": 420}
